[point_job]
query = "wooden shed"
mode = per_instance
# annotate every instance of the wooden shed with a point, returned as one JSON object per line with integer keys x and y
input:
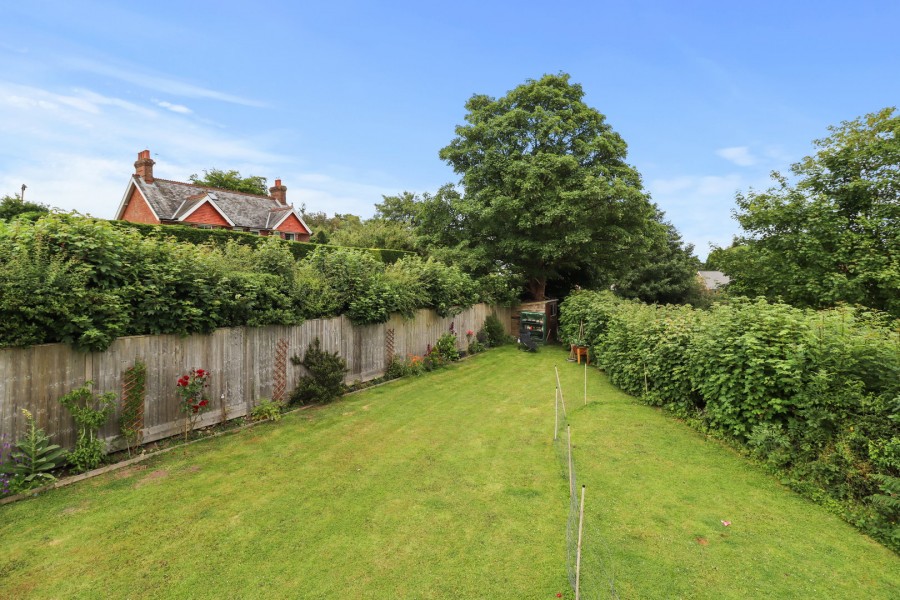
{"x": 549, "y": 324}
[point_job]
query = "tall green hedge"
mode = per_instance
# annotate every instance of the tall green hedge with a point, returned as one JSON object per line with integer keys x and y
{"x": 83, "y": 281}
{"x": 194, "y": 235}
{"x": 814, "y": 395}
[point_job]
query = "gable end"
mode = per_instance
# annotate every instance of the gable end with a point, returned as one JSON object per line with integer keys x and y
{"x": 135, "y": 208}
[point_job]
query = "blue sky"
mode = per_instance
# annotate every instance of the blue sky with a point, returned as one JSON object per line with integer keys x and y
{"x": 346, "y": 101}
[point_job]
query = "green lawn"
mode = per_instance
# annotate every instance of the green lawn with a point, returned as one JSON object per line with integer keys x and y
{"x": 445, "y": 486}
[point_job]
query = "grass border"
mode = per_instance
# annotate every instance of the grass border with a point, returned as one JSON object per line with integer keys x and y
{"x": 66, "y": 481}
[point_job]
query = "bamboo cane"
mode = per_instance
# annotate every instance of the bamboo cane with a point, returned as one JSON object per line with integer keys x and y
{"x": 556, "y": 415}
{"x": 559, "y": 387}
{"x": 578, "y": 555}
{"x": 571, "y": 470}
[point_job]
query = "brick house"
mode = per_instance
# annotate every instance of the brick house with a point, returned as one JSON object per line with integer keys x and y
{"x": 163, "y": 202}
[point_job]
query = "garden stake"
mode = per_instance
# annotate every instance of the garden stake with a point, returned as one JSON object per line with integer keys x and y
{"x": 559, "y": 388}
{"x": 571, "y": 471}
{"x": 556, "y": 414}
{"x": 578, "y": 555}
{"x": 585, "y": 383}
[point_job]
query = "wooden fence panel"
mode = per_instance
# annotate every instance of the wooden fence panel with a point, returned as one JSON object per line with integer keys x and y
{"x": 241, "y": 362}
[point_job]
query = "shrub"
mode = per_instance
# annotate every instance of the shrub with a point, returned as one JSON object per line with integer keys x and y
{"x": 29, "y": 465}
{"x": 406, "y": 286}
{"x": 357, "y": 283}
{"x": 325, "y": 379}
{"x": 266, "y": 410}
{"x": 813, "y": 395}
{"x": 192, "y": 391}
{"x": 84, "y": 281}
{"x": 49, "y": 287}
{"x": 446, "y": 348}
{"x": 495, "y": 331}
{"x": 405, "y": 367}
{"x": 448, "y": 289}
{"x": 222, "y": 237}
{"x": 762, "y": 348}
{"x": 590, "y": 310}
{"x": 502, "y": 289}
{"x": 474, "y": 345}
{"x": 887, "y": 508}
{"x": 433, "y": 360}
{"x": 90, "y": 412}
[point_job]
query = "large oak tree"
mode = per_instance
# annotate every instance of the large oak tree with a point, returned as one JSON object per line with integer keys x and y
{"x": 547, "y": 188}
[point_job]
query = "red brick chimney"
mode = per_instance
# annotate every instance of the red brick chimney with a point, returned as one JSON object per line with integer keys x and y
{"x": 143, "y": 166}
{"x": 279, "y": 192}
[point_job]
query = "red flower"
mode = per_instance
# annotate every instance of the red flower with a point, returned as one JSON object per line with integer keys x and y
{"x": 183, "y": 381}
{"x": 203, "y": 403}
{"x": 469, "y": 333}
{"x": 559, "y": 594}
{"x": 195, "y": 408}
{"x": 201, "y": 373}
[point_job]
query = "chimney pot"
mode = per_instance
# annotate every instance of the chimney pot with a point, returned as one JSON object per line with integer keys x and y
{"x": 279, "y": 192}
{"x": 143, "y": 166}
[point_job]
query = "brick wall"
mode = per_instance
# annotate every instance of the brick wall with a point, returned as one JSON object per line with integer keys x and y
{"x": 207, "y": 215}
{"x": 293, "y": 225}
{"x": 137, "y": 210}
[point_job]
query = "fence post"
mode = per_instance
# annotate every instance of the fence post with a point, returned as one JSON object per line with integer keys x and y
{"x": 578, "y": 555}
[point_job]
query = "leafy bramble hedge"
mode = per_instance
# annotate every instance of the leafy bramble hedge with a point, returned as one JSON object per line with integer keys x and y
{"x": 67, "y": 278}
{"x": 221, "y": 237}
{"x": 814, "y": 395}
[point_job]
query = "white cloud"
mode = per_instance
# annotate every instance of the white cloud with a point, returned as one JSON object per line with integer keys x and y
{"x": 75, "y": 151}
{"x": 779, "y": 155}
{"x": 157, "y": 83}
{"x": 176, "y": 108}
{"x": 700, "y": 206}
{"x": 84, "y": 101}
{"x": 697, "y": 185}
{"x": 739, "y": 155}
{"x": 322, "y": 192}
{"x": 87, "y": 184}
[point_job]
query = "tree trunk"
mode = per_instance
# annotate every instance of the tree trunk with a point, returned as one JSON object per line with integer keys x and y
{"x": 536, "y": 288}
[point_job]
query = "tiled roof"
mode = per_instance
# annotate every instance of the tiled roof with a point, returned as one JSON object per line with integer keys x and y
{"x": 171, "y": 200}
{"x": 276, "y": 215}
{"x": 713, "y": 280}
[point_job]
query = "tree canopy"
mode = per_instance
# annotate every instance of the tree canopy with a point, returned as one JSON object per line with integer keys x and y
{"x": 547, "y": 188}
{"x": 376, "y": 233}
{"x": 402, "y": 208}
{"x": 834, "y": 235}
{"x": 667, "y": 274}
{"x": 13, "y": 206}
{"x": 232, "y": 180}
